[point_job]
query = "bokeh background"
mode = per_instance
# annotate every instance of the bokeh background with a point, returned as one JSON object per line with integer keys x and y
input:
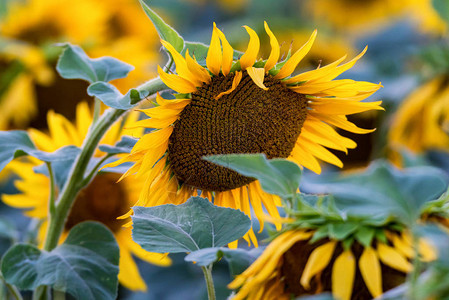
{"x": 408, "y": 53}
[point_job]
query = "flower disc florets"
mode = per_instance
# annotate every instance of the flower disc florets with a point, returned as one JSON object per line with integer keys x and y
{"x": 248, "y": 120}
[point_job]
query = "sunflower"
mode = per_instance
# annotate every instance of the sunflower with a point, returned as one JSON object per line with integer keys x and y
{"x": 102, "y": 200}
{"x": 354, "y": 14}
{"x": 111, "y": 28}
{"x": 422, "y": 121}
{"x": 243, "y": 106}
{"x": 293, "y": 265}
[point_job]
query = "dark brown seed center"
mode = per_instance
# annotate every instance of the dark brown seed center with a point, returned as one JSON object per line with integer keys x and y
{"x": 103, "y": 200}
{"x": 248, "y": 120}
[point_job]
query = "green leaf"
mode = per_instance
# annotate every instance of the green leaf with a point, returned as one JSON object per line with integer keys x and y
{"x": 324, "y": 296}
{"x": 277, "y": 176}
{"x": 165, "y": 31}
{"x": 75, "y": 64}
{"x": 442, "y": 7}
{"x": 111, "y": 96}
{"x": 383, "y": 191}
{"x": 365, "y": 235}
{"x": 123, "y": 146}
{"x": 188, "y": 227}
{"x": 238, "y": 259}
{"x": 16, "y": 143}
{"x": 85, "y": 265}
{"x": 340, "y": 231}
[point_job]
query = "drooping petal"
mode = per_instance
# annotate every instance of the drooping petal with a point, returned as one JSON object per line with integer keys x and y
{"x": 249, "y": 58}
{"x": 371, "y": 272}
{"x": 318, "y": 260}
{"x": 343, "y": 273}
{"x": 321, "y": 152}
{"x": 291, "y": 64}
{"x": 257, "y": 75}
{"x": 214, "y": 54}
{"x": 275, "y": 49}
{"x": 304, "y": 158}
{"x": 315, "y": 74}
{"x": 235, "y": 82}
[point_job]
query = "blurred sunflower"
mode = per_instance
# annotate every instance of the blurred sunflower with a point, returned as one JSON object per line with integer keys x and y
{"x": 103, "y": 200}
{"x": 422, "y": 121}
{"x": 101, "y": 27}
{"x": 243, "y": 106}
{"x": 295, "y": 264}
{"x": 369, "y": 15}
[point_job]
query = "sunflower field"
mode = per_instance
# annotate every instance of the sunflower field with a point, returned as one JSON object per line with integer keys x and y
{"x": 224, "y": 149}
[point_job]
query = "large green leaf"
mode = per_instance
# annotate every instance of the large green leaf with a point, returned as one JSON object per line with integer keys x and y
{"x": 17, "y": 143}
{"x": 384, "y": 191}
{"x": 75, "y": 64}
{"x": 165, "y": 31}
{"x": 85, "y": 265}
{"x": 112, "y": 97}
{"x": 277, "y": 176}
{"x": 188, "y": 227}
{"x": 238, "y": 259}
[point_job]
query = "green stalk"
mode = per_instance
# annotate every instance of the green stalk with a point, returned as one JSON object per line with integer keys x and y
{"x": 75, "y": 180}
{"x": 207, "y": 271}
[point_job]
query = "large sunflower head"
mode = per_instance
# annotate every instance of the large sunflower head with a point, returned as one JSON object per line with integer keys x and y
{"x": 103, "y": 200}
{"x": 298, "y": 263}
{"x": 422, "y": 120}
{"x": 242, "y": 106}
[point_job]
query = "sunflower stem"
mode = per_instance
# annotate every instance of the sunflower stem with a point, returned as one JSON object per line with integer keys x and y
{"x": 207, "y": 271}
{"x": 417, "y": 266}
{"x": 75, "y": 182}
{"x": 51, "y": 201}
{"x": 94, "y": 170}
{"x": 11, "y": 289}
{"x": 97, "y": 108}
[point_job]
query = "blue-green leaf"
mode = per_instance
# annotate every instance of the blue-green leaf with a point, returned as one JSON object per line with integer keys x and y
{"x": 85, "y": 265}
{"x": 112, "y": 97}
{"x": 75, "y": 64}
{"x": 442, "y": 7}
{"x": 17, "y": 143}
{"x": 188, "y": 227}
{"x": 123, "y": 146}
{"x": 277, "y": 176}
{"x": 384, "y": 191}
{"x": 165, "y": 31}
{"x": 238, "y": 259}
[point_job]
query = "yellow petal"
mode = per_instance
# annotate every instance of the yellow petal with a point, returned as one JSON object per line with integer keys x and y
{"x": 340, "y": 69}
{"x": 315, "y": 74}
{"x": 154, "y": 123}
{"x": 257, "y": 75}
{"x": 181, "y": 64}
{"x": 371, "y": 272}
{"x": 228, "y": 53}
{"x": 304, "y": 158}
{"x": 249, "y": 58}
{"x": 334, "y": 107}
{"x": 343, "y": 123}
{"x": 129, "y": 274}
{"x": 196, "y": 69}
{"x": 176, "y": 82}
{"x": 343, "y": 273}
{"x": 392, "y": 258}
{"x": 235, "y": 83}
{"x": 427, "y": 252}
{"x": 214, "y": 54}
{"x": 275, "y": 49}
{"x": 291, "y": 64}
{"x": 320, "y": 152}
{"x": 318, "y": 260}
